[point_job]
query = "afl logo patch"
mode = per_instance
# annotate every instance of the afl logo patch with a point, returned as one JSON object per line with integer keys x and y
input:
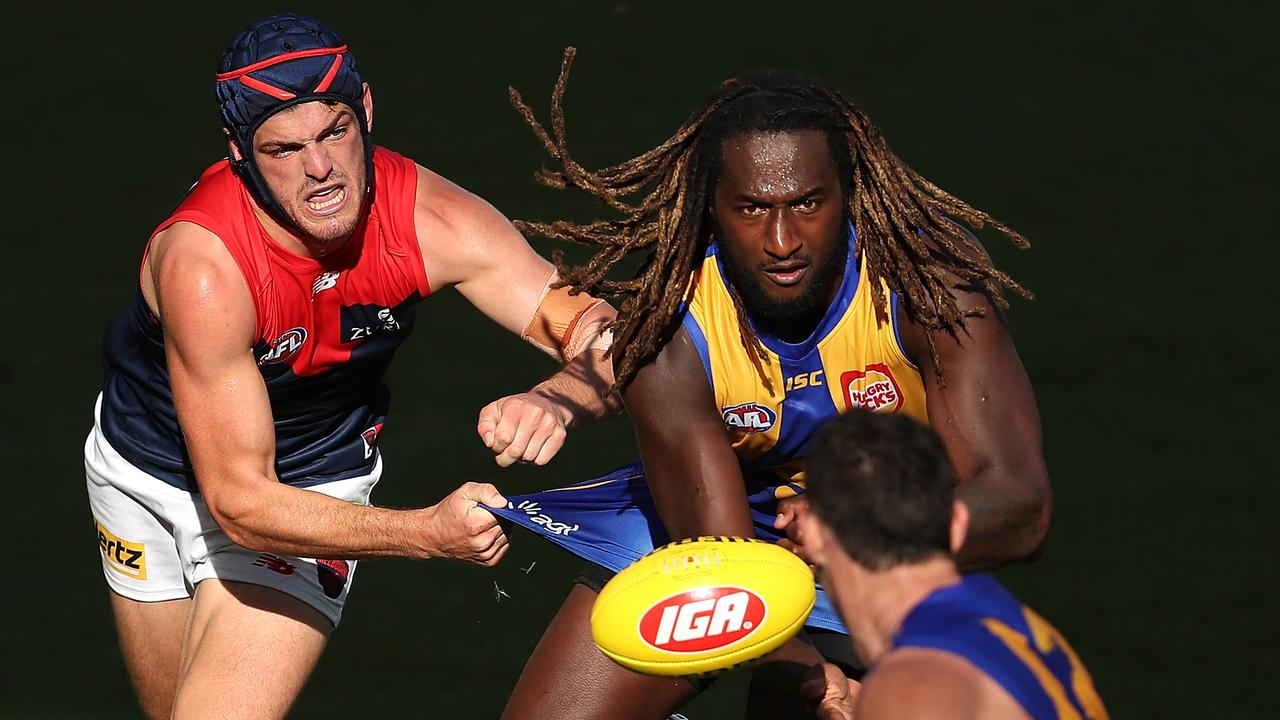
{"x": 873, "y": 389}
{"x": 749, "y": 418}
{"x": 284, "y": 347}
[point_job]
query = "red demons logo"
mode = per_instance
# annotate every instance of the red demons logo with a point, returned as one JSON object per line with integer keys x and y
{"x": 703, "y": 619}
{"x": 332, "y": 575}
{"x": 370, "y": 438}
{"x": 283, "y": 347}
{"x": 873, "y": 389}
{"x": 749, "y": 418}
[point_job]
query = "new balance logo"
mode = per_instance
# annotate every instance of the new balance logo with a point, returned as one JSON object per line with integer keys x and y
{"x": 324, "y": 282}
{"x": 274, "y": 563}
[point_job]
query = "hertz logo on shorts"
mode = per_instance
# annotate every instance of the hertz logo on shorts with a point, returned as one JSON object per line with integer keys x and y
{"x": 127, "y": 558}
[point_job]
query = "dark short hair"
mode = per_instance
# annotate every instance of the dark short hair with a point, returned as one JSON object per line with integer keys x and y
{"x": 883, "y": 484}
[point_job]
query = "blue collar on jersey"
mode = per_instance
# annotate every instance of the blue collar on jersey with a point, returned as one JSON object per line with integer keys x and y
{"x": 839, "y": 304}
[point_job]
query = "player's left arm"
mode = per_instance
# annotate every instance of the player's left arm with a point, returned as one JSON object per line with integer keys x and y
{"x": 467, "y": 243}
{"x": 980, "y": 402}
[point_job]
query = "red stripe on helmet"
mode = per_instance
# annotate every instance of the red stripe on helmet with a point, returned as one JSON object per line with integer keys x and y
{"x": 327, "y": 80}
{"x": 295, "y": 55}
{"x": 271, "y": 90}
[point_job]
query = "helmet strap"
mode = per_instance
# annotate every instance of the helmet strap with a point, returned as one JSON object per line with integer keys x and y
{"x": 251, "y": 175}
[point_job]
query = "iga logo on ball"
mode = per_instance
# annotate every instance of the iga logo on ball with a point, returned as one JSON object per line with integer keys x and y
{"x": 700, "y": 606}
{"x": 701, "y": 620}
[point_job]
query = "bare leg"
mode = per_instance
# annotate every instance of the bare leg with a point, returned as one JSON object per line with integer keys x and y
{"x": 568, "y": 677}
{"x": 765, "y": 702}
{"x": 248, "y": 652}
{"x": 151, "y": 641}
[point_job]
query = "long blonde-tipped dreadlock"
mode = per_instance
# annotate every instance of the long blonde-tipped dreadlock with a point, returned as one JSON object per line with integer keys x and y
{"x": 904, "y": 222}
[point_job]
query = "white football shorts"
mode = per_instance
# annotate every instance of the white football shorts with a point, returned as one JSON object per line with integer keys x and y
{"x": 158, "y": 541}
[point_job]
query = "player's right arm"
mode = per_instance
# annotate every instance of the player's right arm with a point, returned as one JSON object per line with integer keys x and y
{"x": 693, "y": 473}
{"x": 209, "y": 324}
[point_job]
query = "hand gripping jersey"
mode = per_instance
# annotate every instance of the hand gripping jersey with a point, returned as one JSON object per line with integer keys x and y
{"x": 983, "y": 623}
{"x": 326, "y": 331}
{"x": 851, "y": 358}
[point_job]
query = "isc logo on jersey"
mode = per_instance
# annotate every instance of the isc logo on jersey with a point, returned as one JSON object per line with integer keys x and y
{"x": 873, "y": 389}
{"x": 283, "y": 347}
{"x": 749, "y": 418}
{"x": 703, "y": 619}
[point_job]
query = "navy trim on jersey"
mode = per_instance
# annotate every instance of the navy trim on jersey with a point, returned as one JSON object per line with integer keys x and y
{"x": 699, "y": 339}
{"x": 326, "y": 425}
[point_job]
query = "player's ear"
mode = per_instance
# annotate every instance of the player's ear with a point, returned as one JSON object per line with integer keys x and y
{"x": 367, "y": 99}
{"x": 959, "y": 525}
{"x": 815, "y": 537}
{"x": 233, "y": 150}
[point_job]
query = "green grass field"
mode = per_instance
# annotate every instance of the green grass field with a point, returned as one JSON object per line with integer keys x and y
{"x": 1129, "y": 143}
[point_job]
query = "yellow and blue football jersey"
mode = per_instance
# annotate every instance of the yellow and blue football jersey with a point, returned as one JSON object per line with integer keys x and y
{"x": 854, "y": 357}
{"x": 980, "y": 621}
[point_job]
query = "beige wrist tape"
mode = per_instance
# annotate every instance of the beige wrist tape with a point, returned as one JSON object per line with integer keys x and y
{"x": 564, "y": 325}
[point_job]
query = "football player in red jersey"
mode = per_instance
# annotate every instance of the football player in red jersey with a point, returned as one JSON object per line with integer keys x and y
{"x": 235, "y": 442}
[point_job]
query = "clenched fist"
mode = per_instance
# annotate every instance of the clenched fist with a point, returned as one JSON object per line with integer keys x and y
{"x": 461, "y": 528}
{"x": 526, "y": 427}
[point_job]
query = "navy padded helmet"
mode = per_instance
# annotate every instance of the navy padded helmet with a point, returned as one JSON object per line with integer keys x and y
{"x": 275, "y": 63}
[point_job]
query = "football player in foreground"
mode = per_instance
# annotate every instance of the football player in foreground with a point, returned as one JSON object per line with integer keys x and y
{"x": 884, "y": 526}
{"x": 795, "y": 268}
{"x": 236, "y": 437}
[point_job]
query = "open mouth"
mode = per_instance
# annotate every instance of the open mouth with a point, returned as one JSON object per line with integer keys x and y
{"x": 327, "y": 201}
{"x": 787, "y": 275}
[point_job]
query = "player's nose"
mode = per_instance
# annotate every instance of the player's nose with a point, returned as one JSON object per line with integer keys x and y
{"x": 781, "y": 240}
{"x": 316, "y": 162}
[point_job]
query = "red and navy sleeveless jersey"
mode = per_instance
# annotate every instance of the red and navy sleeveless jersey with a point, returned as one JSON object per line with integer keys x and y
{"x": 982, "y": 622}
{"x": 326, "y": 332}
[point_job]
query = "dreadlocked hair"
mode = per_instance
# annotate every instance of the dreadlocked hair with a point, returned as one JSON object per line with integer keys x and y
{"x": 906, "y": 225}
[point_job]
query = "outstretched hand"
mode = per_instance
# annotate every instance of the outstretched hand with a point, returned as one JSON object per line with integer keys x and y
{"x": 462, "y": 529}
{"x": 834, "y": 693}
{"x": 523, "y": 428}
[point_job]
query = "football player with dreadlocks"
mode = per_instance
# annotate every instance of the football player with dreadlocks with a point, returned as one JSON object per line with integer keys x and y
{"x": 794, "y": 268}
{"x": 236, "y": 437}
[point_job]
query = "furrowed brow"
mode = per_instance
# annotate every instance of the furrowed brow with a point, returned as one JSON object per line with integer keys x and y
{"x": 762, "y": 200}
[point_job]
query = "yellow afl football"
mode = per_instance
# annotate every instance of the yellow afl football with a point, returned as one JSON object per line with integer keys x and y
{"x": 702, "y": 605}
